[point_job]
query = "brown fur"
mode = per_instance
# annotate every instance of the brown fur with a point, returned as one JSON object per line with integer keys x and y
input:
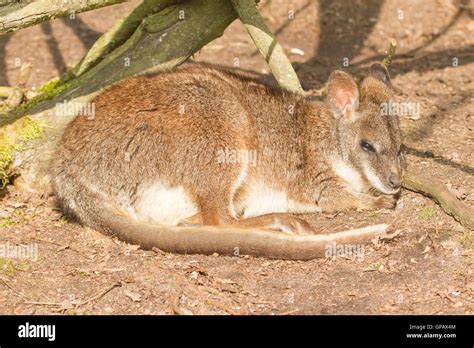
{"x": 169, "y": 127}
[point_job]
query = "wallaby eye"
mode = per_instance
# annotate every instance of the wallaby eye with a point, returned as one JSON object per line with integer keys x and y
{"x": 366, "y": 146}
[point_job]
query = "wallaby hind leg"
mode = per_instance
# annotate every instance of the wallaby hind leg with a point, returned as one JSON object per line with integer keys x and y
{"x": 216, "y": 212}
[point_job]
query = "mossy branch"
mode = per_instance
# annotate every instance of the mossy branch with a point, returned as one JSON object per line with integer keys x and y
{"x": 121, "y": 31}
{"x": 267, "y": 44}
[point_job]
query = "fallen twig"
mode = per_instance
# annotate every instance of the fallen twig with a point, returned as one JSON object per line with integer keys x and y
{"x": 176, "y": 299}
{"x": 39, "y": 303}
{"x": 19, "y": 294}
{"x": 15, "y": 95}
{"x": 390, "y": 53}
{"x": 76, "y": 304}
{"x": 100, "y": 295}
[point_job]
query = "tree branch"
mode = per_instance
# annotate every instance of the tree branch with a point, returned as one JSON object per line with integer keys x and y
{"x": 16, "y": 15}
{"x": 5, "y": 92}
{"x": 437, "y": 191}
{"x": 267, "y": 44}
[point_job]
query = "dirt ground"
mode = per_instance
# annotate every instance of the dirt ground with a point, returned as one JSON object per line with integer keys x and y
{"x": 426, "y": 269}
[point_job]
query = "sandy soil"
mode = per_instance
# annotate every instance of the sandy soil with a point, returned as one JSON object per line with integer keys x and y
{"x": 426, "y": 269}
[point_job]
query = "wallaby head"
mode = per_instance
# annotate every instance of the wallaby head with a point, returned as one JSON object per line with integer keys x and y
{"x": 367, "y": 143}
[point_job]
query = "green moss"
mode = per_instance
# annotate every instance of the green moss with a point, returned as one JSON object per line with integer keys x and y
{"x": 20, "y": 216}
{"x": 30, "y": 129}
{"x": 467, "y": 239}
{"x": 52, "y": 86}
{"x": 4, "y": 223}
{"x": 63, "y": 219}
{"x": 373, "y": 213}
{"x": 7, "y": 267}
{"x": 427, "y": 213}
{"x": 49, "y": 86}
{"x": 6, "y": 159}
{"x": 48, "y": 93}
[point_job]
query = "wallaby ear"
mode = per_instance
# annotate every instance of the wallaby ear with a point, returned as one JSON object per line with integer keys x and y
{"x": 380, "y": 72}
{"x": 343, "y": 94}
{"x": 376, "y": 86}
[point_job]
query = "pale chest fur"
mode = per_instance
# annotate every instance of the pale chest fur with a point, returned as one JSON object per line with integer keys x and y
{"x": 163, "y": 204}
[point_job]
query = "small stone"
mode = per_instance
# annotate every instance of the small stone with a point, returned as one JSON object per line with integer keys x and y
{"x": 455, "y": 157}
{"x": 108, "y": 310}
{"x": 5, "y": 214}
{"x": 297, "y": 51}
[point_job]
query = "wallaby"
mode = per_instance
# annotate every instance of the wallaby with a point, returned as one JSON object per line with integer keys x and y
{"x": 203, "y": 160}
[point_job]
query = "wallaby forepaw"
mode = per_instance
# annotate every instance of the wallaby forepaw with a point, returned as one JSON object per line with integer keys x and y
{"x": 385, "y": 202}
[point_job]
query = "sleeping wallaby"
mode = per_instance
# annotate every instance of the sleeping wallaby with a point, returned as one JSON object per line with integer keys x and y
{"x": 203, "y": 160}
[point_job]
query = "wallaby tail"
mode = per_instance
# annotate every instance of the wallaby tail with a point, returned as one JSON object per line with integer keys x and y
{"x": 228, "y": 240}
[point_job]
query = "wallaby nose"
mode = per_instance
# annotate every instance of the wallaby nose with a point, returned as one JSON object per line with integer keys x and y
{"x": 395, "y": 181}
